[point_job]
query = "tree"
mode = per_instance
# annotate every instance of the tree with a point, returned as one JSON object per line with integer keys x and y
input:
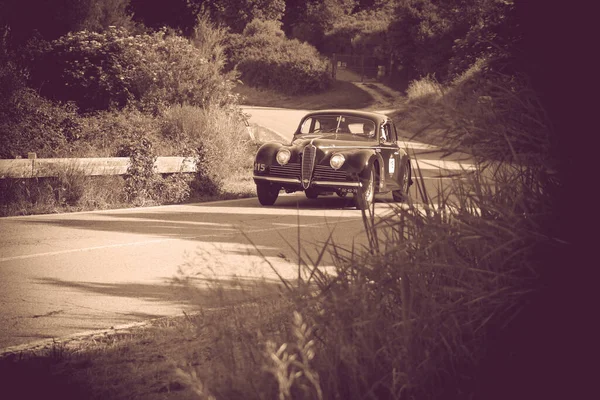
{"x": 236, "y": 14}
{"x": 318, "y": 18}
{"x": 21, "y": 20}
{"x": 181, "y": 15}
{"x": 105, "y": 13}
{"x": 156, "y": 14}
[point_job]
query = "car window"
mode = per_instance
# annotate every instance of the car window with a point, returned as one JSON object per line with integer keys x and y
{"x": 339, "y": 124}
{"x": 394, "y": 132}
{"x": 387, "y": 135}
{"x": 306, "y": 125}
{"x": 383, "y": 134}
{"x": 327, "y": 124}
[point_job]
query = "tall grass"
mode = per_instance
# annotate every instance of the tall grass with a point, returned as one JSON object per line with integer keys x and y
{"x": 69, "y": 190}
{"x": 418, "y": 312}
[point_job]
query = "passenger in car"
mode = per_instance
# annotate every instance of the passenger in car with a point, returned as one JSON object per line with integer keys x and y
{"x": 368, "y": 129}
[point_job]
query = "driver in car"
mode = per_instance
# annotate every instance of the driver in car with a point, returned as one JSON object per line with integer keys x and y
{"x": 328, "y": 125}
{"x": 368, "y": 129}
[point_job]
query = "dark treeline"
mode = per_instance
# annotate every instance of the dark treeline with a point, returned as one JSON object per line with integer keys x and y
{"x": 420, "y": 36}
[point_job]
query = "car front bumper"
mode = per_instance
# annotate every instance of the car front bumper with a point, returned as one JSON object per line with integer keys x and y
{"x": 295, "y": 181}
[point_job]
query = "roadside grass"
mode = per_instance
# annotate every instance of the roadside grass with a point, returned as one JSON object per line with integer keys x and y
{"x": 341, "y": 95}
{"x": 70, "y": 191}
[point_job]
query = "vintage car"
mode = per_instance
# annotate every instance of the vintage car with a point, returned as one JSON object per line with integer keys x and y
{"x": 335, "y": 151}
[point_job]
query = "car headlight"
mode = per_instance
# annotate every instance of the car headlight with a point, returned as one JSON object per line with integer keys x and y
{"x": 337, "y": 160}
{"x": 283, "y": 156}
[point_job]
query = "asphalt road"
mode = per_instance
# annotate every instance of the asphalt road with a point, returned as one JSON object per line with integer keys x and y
{"x": 70, "y": 273}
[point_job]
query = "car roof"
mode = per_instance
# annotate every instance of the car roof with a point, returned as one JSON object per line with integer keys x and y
{"x": 380, "y": 118}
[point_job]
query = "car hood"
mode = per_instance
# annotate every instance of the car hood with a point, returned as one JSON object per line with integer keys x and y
{"x": 333, "y": 140}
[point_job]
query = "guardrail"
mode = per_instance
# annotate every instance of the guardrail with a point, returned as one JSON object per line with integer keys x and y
{"x": 48, "y": 167}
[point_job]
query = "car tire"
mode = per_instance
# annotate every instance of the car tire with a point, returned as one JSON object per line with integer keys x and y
{"x": 311, "y": 193}
{"x": 401, "y": 195}
{"x": 366, "y": 193}
{"x": 267, "y": 193}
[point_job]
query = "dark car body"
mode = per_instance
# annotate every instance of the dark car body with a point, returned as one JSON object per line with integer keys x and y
{"x": 366, "y": 158}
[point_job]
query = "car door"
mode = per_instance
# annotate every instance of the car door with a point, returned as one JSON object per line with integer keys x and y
{"x": 390, "y": 152}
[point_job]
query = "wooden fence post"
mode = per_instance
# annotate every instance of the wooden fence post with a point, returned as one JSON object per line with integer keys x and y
{"x": 32, "y": 157}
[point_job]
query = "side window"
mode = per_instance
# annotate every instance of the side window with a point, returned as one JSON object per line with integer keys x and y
{"x": 305, "y": 128}
{"x": 386, "y": 133}
{"x": 382, "y": 134}
{"x": 394, "y": 132}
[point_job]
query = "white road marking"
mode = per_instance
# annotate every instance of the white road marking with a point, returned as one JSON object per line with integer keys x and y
{"x": 108, "y": 246}
{"x": 144, "y": 242}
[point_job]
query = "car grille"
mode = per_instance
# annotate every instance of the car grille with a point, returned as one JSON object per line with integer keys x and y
{"x": 308, "y": 164}
{"x": 326, "y": 173}
{"x": 291, "y": 170}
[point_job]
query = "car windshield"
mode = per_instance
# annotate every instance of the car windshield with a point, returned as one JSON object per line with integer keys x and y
{"x": 338, "y": 124}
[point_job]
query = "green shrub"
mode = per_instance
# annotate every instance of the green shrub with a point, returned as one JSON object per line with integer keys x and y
{"x": 173, "y": 188}
{"x": 69, "y": 186}
{"x": 30, "y": 123}
{"x": 485, "y": 112}
{"x": 107, "y": 133}
{"x": 424, "y": 89}
{"x": 217, "y": 135}
{"x": 141, "y": 177}
{"x": 114, "y": 69}
{"x": 265, "y": 58}
{"x": 71, "y": 191}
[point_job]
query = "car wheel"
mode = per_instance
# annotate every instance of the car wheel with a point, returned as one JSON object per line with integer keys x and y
{"x": 402, "y": 194}
{"x": 267, "y": 193}
{"x": 311, "y": 193}
{"x": 366, "y": 193}
{"x": 342, "y": 194}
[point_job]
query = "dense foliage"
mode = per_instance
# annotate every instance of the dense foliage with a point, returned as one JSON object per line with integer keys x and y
{"x": 114, "y": 69}
{"x": 181, "y": 14}
{"x": 266, "y": 58}
{"x": 29, "y": 122}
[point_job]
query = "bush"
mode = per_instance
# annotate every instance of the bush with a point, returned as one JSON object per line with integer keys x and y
{"x": 265, "y": 58}
{"x": 70, "y": 191}
{"x": 173, "y": 188}
{"x": 112, "y": 70}
{"x": 425, "y": 89}
{"x": 108, "y": 133}
{"x": 492, "y": 115}
{"x": 140, "y": 179}
{"x": 30, "y": 123}
{"x": 218, "y": 136}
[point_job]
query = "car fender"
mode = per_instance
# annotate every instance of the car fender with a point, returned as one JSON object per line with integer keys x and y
{"x": 363, "y": 160}
{"x": 267, "y": 152}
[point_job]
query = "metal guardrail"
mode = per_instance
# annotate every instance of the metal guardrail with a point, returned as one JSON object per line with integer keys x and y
{"x": 48, "y": 167}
